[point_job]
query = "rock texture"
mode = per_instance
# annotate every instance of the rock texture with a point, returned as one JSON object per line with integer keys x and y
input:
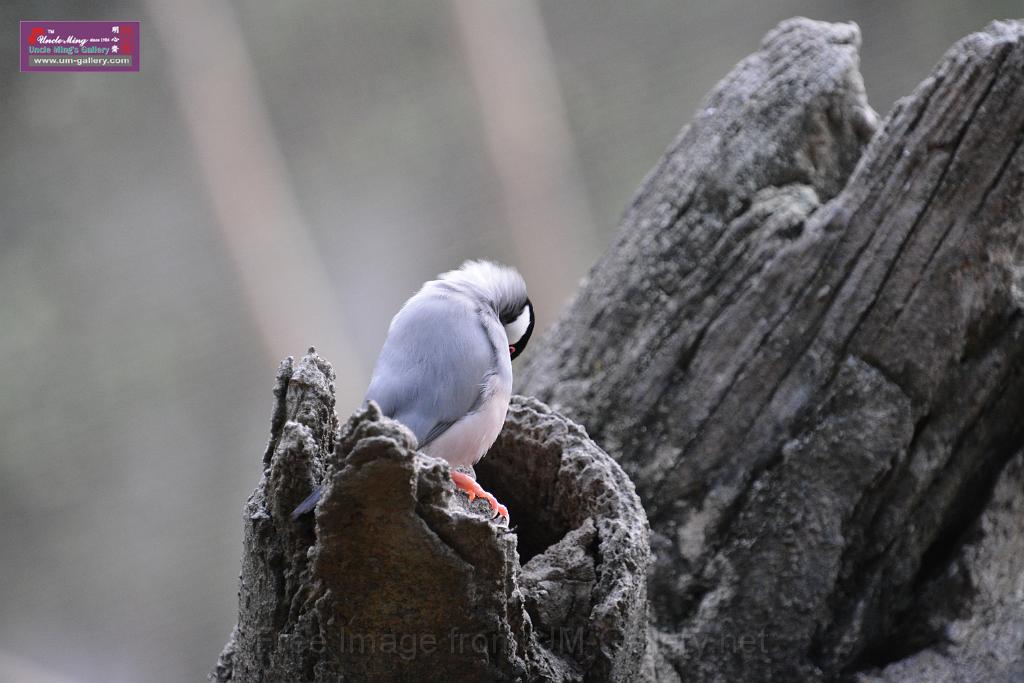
{"x": 979, "y": 638}
{"x": 398, "y": 578}
{"x": 806, "y": 350}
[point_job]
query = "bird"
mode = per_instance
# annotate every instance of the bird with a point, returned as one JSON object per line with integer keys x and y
{"x": 445, "y": 369}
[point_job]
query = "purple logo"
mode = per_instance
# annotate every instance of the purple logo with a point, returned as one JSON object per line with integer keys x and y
{"x": 80, "y": 46}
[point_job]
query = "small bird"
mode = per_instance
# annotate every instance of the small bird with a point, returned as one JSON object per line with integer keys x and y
{"x": 445, "y": 370}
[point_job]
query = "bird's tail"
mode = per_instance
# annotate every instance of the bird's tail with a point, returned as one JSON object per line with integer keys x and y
{"x": 308, "y": 504}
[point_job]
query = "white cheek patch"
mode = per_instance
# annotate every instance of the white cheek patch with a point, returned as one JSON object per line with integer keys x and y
{"x": 517, "y": 328}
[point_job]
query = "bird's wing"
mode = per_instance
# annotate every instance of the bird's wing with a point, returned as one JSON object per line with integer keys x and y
{"x": 433, "y": 366}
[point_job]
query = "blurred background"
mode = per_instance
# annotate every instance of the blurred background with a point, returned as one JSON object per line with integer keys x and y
{"x": 281, "y": 175}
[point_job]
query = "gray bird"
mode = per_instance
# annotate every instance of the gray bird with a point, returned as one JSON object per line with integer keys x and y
{"x": 445, "y": 370}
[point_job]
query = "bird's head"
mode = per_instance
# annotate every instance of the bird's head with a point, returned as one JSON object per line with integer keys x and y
{"x": 503, "y": 289}
{"x": 518, "y": 327}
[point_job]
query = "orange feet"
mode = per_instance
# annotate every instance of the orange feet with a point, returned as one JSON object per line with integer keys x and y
{"x": 474, "y": 490}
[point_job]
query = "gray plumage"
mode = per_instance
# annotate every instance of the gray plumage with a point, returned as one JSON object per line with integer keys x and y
{"x": 445, "y": 370}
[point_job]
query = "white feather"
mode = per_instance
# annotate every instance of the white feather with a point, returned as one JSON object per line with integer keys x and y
{"x": 517, "y": 328}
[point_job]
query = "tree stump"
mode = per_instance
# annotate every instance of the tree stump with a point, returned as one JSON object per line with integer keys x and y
{"x": 805, "y": 349}
{"x": 396, "y": 577}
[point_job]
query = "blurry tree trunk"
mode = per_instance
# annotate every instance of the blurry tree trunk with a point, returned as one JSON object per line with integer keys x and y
{"x": 808, "y": 354}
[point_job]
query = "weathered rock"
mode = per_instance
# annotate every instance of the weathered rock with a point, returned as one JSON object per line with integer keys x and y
{"x": 398, "y": 578}
{"x": 813, "y": 389}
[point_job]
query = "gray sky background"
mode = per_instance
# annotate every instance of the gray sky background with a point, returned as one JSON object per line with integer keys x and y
{"x": 280, "y": 175}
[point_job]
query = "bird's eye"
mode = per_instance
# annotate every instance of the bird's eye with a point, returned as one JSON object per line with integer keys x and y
{"x": 511, "y": 349}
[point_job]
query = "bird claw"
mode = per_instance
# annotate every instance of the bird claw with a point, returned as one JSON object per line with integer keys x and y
{"x": 466, "y": 483}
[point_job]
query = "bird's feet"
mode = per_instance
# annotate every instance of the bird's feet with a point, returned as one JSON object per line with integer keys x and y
{"x": 474, "y": 490}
